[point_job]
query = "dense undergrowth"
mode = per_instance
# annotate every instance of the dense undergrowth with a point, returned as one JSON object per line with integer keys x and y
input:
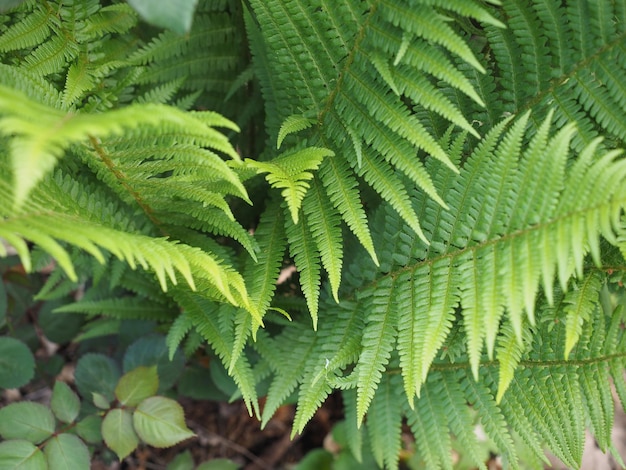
{"x": 446, "y": 177}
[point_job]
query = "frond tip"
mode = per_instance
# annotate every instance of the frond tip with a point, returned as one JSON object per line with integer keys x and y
{"x": 294, "y": 123}
{"x": 290, "y": 171}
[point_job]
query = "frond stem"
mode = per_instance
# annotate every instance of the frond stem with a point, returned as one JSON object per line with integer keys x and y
{"x": 122, "y": 180}
{"x": 558, "y": 82}
{"x": 349, "y": 60}
{"x": 523, "y": 363}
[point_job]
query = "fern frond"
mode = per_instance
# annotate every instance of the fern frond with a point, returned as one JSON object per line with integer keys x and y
{"x": 203, "y": 315}
{"x": 344, "y": 195}
{"x": 581, "y": 303}
{"x": 378, "y": 341}
{"x": 337, "y": 345}
{"x": 263, "y": 274}
{"x": 363, "y": 100}
{"x": 430, "y": 428}
{"x": 491, "y": 418}
{"x": 178, "y": 330}
{"x": 290, "y": 172}
{"x": 31, "y": 31}
{"x": 304, "y": 251}
{"x": 383, "y": 422}
{"x": 40, "y": 223}
{"x": 42, "y": 133}
{"x": 291, "y": 125}
{"x": 573, "y": 61}
{"x": 288, "y": 372}
{"x": 122, "y": 308}
{"x": 323, "y": 222}
{"x": 118, "y": 18}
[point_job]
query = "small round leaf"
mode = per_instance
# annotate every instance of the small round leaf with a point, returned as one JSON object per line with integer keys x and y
{"x": 21, "y": 455}
{"x": 100, "y": 401}
{"x": 64, "y": 403}
{"x": 118, "y": 432}
{"x": 17, "y": 363}
{"x": 137, "y": 385}
{"x": 67, "y": 452}
{"x": 160, "y": 422}
{"x": 26, "y": 420}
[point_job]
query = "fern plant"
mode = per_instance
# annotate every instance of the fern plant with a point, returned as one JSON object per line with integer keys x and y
{"x": 446, "y": 177}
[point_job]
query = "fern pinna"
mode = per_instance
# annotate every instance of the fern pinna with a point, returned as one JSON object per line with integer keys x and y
{"x": 445, "y": 175}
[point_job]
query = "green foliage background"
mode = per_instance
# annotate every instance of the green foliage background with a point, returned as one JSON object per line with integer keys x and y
{"x": 445, "y": 175}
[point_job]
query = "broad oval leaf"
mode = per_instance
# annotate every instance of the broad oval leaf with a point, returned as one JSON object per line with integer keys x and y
{"x": 152, "y": 351}
{"x": 137, "y": 385}
{"x": 96, "y": 373}
{"x": 67, "y": 452}
{"x": 26, "y": 420}
{"x": 183, "y": 461}
{"x": 118, "y": 432}
{"x": 176, "y": 15}
{"x": 160, "y": 422}
{"x": 65, "y": 403}
{"x": 21, "y": 455}
{"x": 17, "y": 364}
{"x": 89, "y": 429}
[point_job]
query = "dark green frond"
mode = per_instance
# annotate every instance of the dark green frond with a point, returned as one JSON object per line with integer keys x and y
{"x": 127, "y": 308}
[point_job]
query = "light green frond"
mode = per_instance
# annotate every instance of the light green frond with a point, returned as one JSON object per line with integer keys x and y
{"x": 293, "y": 124}
{"x": 42, "y": 224}
{"x": 434, "y": 314}
{"x": 291, "y": 172}
{"x": 42, "y": 134}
